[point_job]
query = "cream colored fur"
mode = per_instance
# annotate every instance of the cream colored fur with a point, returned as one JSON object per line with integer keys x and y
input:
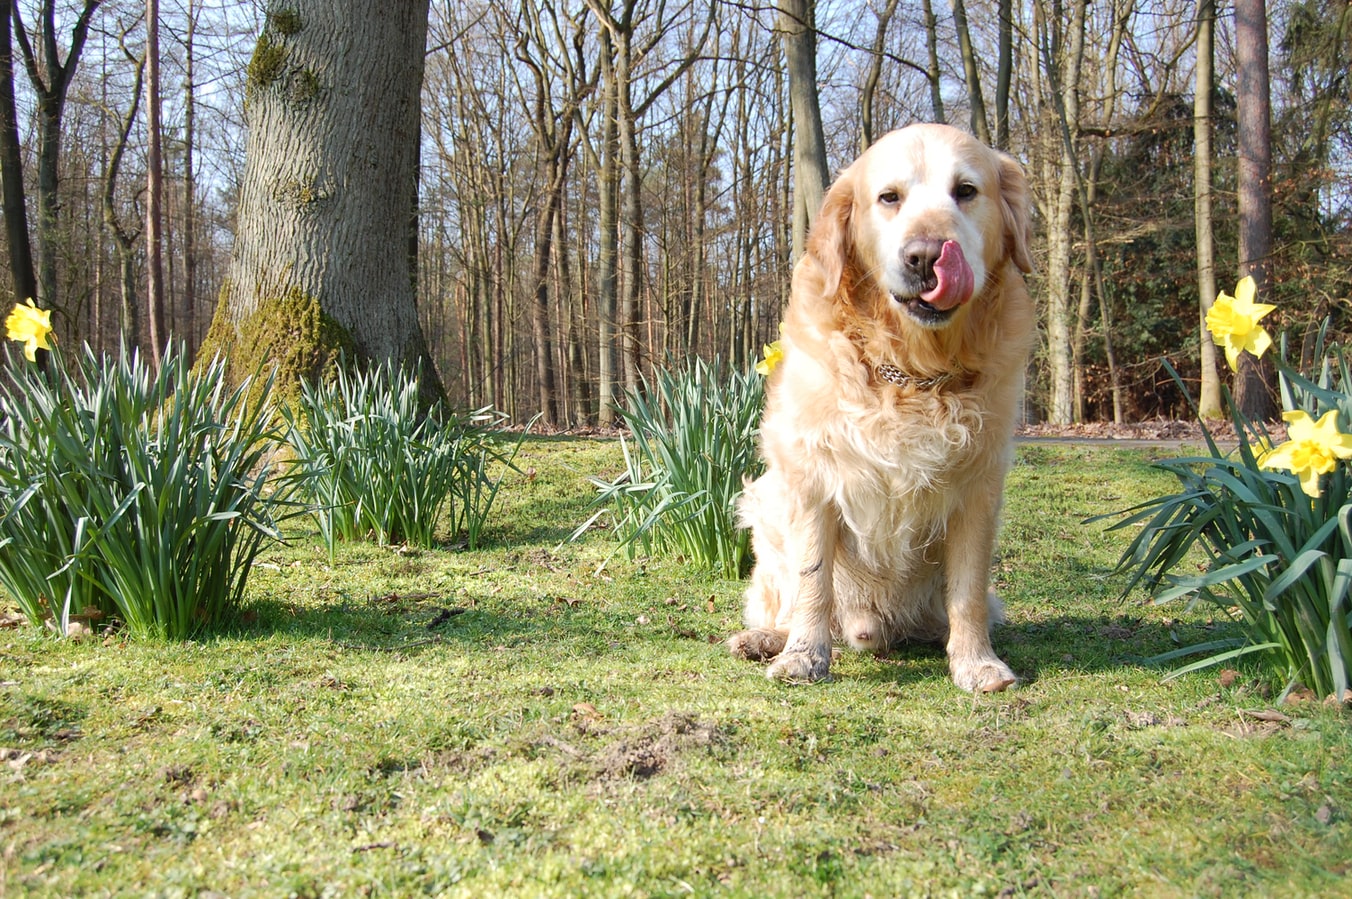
{"x": 876, "y": 519}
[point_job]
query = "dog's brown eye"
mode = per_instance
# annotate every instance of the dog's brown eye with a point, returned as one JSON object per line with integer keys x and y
{"x": 889, "y": 198}
{"x": 965, "y": 191}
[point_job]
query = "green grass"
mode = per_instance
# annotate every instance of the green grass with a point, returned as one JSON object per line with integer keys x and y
{"x": 514, "y": 721}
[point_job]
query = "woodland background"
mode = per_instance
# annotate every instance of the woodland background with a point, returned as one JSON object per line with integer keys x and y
{"x": 533, "y": 112}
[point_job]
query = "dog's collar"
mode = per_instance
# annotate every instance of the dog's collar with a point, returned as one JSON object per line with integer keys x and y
{"x": 893, "y": 375}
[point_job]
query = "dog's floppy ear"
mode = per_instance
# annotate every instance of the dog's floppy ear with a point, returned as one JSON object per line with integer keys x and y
{"x": 1014, "y": 207}
{"x": 828, "y": 240}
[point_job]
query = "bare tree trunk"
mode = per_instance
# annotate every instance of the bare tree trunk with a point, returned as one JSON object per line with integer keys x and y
{"x": 1003, "y": 72}
{"x": 1077, "y": 345}
{"x": 579, "y": 393}
{"x": 11, "y": 171}
{"x": 607, "y": 257}
{"x": 932, "y": 60}
{"x": 1253, "y": 393}
{"x": 631, "y": 225}
{"x": 189, "y": 334}
{"x": 873, "y": 75}
{"x": 1088, "y": 189}
{"x": 977, "y": 104}
{"x": 124, "y": 240}
{"x": 540, "y": 329}
{"x": 321, "y": 260}
{"x": 1209, "y": 402}
{"x": 797, "y": 23}
{"x": 154, "y": 187}
{"x": 51, "y": 79}
{"x": 1062, "y": 67}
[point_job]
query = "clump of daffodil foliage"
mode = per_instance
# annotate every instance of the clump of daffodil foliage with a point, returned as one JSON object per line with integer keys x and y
{"x": 372, "y": 462}
{"x": 1273, "y": 522}
{"x": 694, "y": 442}
{"x": 127, "y": 494}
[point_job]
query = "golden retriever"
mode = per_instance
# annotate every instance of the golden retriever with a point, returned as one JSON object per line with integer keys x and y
{"x": 887, "y": 429}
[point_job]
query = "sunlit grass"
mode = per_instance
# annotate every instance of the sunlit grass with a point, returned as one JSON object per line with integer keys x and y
{"x": 519, "y": 720}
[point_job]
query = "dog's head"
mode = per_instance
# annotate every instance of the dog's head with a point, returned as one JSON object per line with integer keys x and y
{"x": 928, "y": 216}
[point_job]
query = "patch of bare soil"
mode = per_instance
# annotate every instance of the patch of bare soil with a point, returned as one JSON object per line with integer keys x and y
{"x": 653, "y": 745}
{"x": 638, "y": 751}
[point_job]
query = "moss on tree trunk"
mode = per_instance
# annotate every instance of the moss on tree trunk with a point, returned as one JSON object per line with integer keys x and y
{"x": 289, "y": 334}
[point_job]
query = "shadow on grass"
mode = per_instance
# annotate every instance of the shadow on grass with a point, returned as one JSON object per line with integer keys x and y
{"x": 1083, "y": 644}
{"x": 391, "y": 623}
{"x": 411, "y": 622}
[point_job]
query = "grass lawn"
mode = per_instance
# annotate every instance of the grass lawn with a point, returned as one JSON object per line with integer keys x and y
{"x": 524, "y": 720}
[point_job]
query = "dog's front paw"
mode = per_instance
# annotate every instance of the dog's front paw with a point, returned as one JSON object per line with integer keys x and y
{"x": 759, "y": 644}
{"x": 801, "y": 666}
{"x": 986, "y": 675}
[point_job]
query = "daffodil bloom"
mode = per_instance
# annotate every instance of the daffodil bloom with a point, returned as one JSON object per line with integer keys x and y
{"x": 774, "y": 354}
{"x": 30, "y": 325}
{"x": 1312, "y": 448}
{"x": 1233, "y": 322}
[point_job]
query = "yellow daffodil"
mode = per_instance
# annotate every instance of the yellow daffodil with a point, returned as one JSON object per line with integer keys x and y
{"x": 1312, "y": 448}
{"x": 774, "y": 354}
{"x": 30, "y": 326}
{"x": 1233, "y": 322}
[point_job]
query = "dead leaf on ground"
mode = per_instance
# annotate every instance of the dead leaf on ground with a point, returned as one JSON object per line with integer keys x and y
{"x": 1299, "y": 694}
{"x": 1270, "y": 715}
{"x": 586, "y": 712}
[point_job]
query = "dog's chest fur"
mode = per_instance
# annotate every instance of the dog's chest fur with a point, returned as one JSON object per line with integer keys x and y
{"x": 896, "y": 478}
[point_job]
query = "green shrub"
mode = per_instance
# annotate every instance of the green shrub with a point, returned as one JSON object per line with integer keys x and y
{"x": 694, "y": 444}
{"x": 373, "y": 463}
{"x": 129, "y": 493}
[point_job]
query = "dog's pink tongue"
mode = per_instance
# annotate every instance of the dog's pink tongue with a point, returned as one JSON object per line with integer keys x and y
{"x": 955, "y": 279}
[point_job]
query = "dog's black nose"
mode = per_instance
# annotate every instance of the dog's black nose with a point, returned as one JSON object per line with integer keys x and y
{"x": 919, "y": 255}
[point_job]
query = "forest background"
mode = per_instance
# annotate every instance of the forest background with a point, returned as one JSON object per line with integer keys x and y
{"x": 605, "y": 189}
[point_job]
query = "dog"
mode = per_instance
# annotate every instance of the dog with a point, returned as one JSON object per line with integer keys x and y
{"x": 888, "y": 425}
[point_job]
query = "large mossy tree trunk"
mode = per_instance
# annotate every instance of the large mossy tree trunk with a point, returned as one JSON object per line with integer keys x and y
{"x": 322, "y": 260}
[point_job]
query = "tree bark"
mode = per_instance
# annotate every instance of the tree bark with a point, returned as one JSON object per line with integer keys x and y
{"x": 11, "y": 171}
{"x": 1253, "y": 391}
{"x": 1062, "y": 67}
{"x": 321, "y": 259}
{"x": 124, "y": 239}
{"x": 873, "y": 75}
{"x": 51, "y": 80}
{"x": 1003, "y": 71}
{"x": 154, "y": 187}
{"x": 631, "y": 228}
{"x": 975, "y": 100}
{"x": 189, "y": 335}
{"x": 1209, "y": 401}
{"x": 607, "y": 257}
{"x": 932, "y": 61}
{"x": 554, "y": 133}
{"x": 797, "y": 23}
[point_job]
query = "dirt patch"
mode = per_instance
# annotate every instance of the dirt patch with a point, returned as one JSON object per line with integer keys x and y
{"x": 638, "y": 751}
{"x": 654, "y": 745}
